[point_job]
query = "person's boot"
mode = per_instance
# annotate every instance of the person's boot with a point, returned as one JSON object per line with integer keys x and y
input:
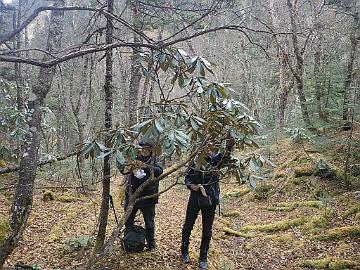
{"x": 203, "y": 265}
{"x": 185, "y": 248}
{"x": 150, "y": 239}
{"x": 204, "y": 247}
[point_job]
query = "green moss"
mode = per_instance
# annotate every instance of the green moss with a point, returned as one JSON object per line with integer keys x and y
{"x": 315, "y": 204}
{"x": 319, "y": 221}
{"x": 303, "y": 170}
{"x": 352, "y": 210}
{"x": 285, "y": 240}
{"x": 224, "y": 221}
{"x": 288, "y": 207}
{"x": 262, "y": 192}
{"x": 248, "y": 246}
{"x": 48, "y": 195}
{"x": 236, "y": 193}
{"x": 343, "y": 264}
{"x": 339, "y": 233}
{"x": 67, "y": 198}
{"x": 277, "y": 175}
{"x": 4, "y": 228}
{"x": 316, "y": 264}
{"x": 319, "y": 193}
{"x": 229, "y": 231}
{"x": 277, "y": 226}
{"x": 59, "y": 229}
{"x": 330, "y": 263}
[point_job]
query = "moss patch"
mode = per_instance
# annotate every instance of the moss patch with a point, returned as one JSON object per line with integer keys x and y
{"x": 303, "y": 170}
{"x": 277, "y": 226}
{"x": 48, "y": 195}
{"x": 284, "y": 241}
{"x": 236, "y": 193}
{"x": 4, "y": 228}
{"x": 67, "y": 198}
{"x": 229, "y": 231}
{"x": 59, "y": 229}
{"x": 318, "y": 222}
{"x": 288, "y": 207}
{"x": 330, "y": 263}
{"x": 224, "y": 221}
{"x": 262, "y": 192}
{"x": 339, "y": 233}
{"x": 354, "y": 210}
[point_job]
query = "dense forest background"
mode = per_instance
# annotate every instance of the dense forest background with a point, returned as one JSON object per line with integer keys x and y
{"x": 70, "y": 71}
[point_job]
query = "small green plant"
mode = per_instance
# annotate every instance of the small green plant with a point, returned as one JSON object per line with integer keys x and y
{"x": 77, "y": 243}
{"x": 262, "y": 191}
{"x": 297, "y": 134}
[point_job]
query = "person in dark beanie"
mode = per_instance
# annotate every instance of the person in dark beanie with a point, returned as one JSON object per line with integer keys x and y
{"x": 139, "y": 174}
{"x": 204, "y": 196}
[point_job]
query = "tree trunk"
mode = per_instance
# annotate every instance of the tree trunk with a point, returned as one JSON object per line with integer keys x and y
{"x": 318, "y": 91}
{"x": 149, "y": 82}
{"x": 299, "y": 69}
{"x": 354, "y": 39}
{"x": 135, "y": 70}
{"x": 145, "y": 93}
{"x": 103, "y": 216}
{"x": 281, "y": 57}
{"x": 18, "y": 74}
{"x": 22, "y": 201}
{"x": 82, "y": 106}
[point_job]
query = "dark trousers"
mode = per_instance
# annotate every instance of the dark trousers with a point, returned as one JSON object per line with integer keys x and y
{"x": 148, "y": 213}
{"x": 208, "y": 215}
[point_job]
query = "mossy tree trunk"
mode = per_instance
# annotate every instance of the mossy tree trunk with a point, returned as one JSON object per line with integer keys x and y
{"x": 284, "y": 86}
{"x": 108, "y": 89}
{"x": 318, "y": 88}
{"x": 135, "y": 78}
{"x": 354, "y": 41}
{"x": 18, "y": 70}
{"x": 298, "y": 71}
{"x": 23, "y": 198}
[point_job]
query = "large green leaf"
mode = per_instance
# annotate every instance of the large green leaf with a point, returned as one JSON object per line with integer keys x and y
{"x": 119, "y": 160}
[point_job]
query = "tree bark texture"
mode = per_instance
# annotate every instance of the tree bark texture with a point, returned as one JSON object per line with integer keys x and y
{"x": 23, "y": 198}
{"x": 18, "y": 74}
{"x": 135, "y": 70}
{"x": 282, "y": 62}
{"x": 104, "y": 210}
{"x": 318, "y": 90}
{"x": 354, "y": 41}
{"x": 299, "y": 68}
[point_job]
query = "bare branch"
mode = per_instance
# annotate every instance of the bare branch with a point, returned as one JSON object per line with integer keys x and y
{"x": 42, "y": 163}
{"x": 37, "y": 11}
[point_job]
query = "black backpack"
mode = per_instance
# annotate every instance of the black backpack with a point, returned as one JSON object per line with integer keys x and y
{"x": 134, "y": 239}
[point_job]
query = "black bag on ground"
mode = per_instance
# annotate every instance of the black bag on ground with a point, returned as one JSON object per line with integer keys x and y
{"x": 134, "y": 239}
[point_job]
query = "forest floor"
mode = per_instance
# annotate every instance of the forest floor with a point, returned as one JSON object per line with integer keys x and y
{"x": 294, "y": 221}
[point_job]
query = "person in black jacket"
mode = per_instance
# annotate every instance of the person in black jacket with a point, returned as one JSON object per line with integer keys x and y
{"x": 137, "y": 176}
{"x": 204, "y": 196}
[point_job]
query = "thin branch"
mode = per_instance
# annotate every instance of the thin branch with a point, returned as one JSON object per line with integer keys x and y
{"x": 192, "y": 23}
{"x": 154, "y": 46}
{"x": 36, "y": 12}
{"x": 162, "y": 7}
{"x": 16, "y": 168}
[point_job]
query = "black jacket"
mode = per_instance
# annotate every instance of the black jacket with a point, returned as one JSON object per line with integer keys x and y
{"x": 132, "y": 184}
{"x": 208, "y": 177}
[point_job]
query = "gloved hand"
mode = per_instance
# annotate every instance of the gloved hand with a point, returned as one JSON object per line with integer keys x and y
{"x": 139, "y": 173}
